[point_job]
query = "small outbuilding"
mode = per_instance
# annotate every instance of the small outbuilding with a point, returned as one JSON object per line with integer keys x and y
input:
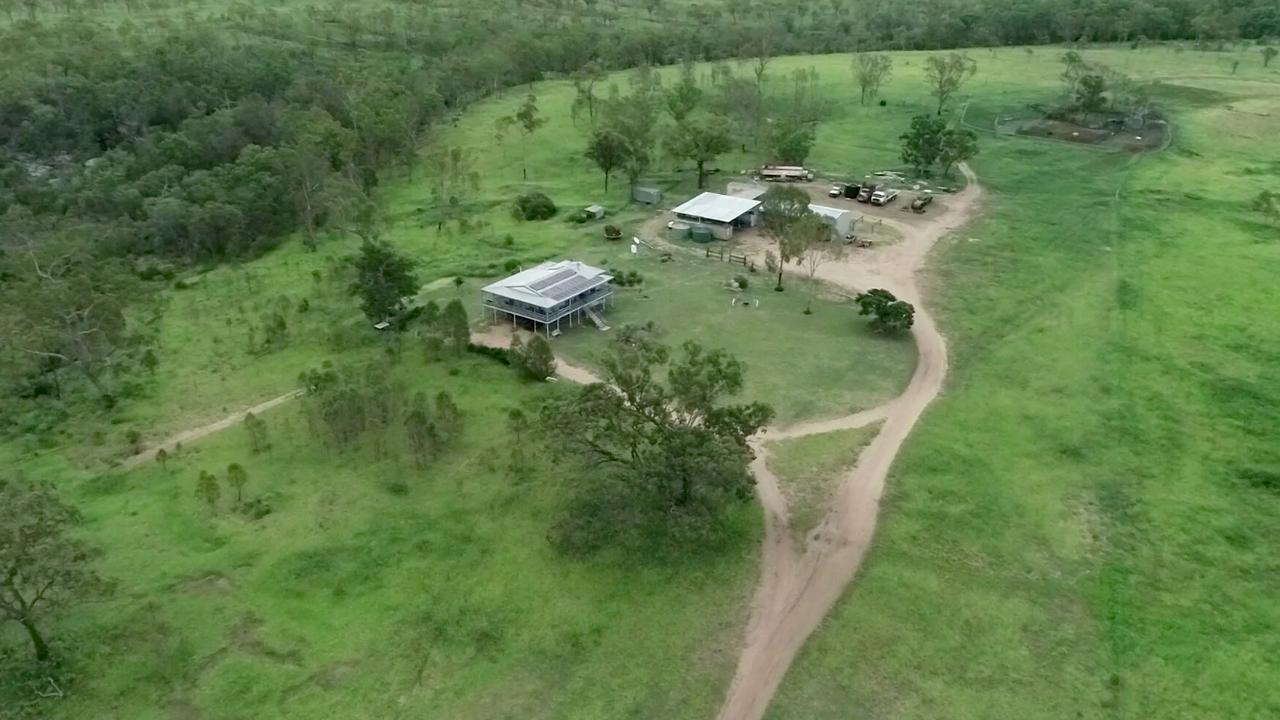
{"x": 720, "y": 214}
{"x": 647, "y": 195}
{"x": 840, "y": 219}
{"x": 594, "y": 212}
{"x": 550, "y": 294}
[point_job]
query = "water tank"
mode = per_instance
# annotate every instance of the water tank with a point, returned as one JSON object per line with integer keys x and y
{"x": 700, "y": 234}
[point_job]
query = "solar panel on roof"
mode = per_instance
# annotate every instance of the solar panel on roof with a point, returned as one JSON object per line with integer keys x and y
{"x": 569, "y": 288}
{"x": 552, "y": 279}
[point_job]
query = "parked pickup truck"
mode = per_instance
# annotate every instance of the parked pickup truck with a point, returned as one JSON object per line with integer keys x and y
{"x": 836, "y": 190}
{"x": 883, "y": 197}
{"x": 864, "y": 195}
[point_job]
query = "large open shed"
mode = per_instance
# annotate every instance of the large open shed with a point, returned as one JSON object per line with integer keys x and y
{"x": 719, "y": 213}
{"x": 549, "y": 294}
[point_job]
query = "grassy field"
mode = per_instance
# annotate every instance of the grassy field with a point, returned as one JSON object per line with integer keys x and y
{"x": 1084, "y": 525}
{"x": 355, "y": 599}
{"x": 809, "y": 467}
{"x": 351, "y": 600}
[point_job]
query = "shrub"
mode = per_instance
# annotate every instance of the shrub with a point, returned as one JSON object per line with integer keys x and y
{"x": 534, "y": 206}
{"x": 890, "y": 313}
{"x": 499, "y": 354}
{"x": 534, "y": 358}
{"x": 629, "y": 278}
{"x": 741, "y": 281}
{"x": 511, "y": 265}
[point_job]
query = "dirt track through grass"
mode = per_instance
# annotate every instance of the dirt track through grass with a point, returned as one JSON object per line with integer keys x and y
{"x": 800, "y": 584}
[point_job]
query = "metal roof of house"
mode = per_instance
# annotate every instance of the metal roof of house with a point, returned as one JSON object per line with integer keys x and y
{"x": 717, "y": 207}
{"x": 830, "y": 212}
{"x": 550, "y": 283}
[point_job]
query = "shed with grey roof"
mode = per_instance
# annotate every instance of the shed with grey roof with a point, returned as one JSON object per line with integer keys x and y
{"x": 719, "y": 213}
{"x": 841, "y": 220}
{"x": 551, "y": 293}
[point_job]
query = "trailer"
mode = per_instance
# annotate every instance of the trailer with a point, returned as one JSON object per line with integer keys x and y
{"x": 785, "y": 173}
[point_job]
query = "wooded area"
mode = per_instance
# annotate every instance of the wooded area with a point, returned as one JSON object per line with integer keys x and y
{"x": 137, "y": 139}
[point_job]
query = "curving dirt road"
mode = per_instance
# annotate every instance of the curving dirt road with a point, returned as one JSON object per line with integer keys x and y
{"x": 800, "y": 584}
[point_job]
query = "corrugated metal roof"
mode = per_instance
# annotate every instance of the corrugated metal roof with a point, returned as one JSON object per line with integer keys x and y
{"x": 717, "y": 207}
{"x": 830, "y": 212}
{"x": 550, "y": 283}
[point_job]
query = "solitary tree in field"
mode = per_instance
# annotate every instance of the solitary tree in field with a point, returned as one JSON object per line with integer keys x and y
{"x": 528, "y": 119}
{"x": 517, "y": 460}
{"x": 455, "y": 327}
{"x": 700, "y": 139}
{"x": 761, "y": 57}
{"x": 784, "y": 211}
{"x": 237, "y": 478}
{"x": 958, "y": 145}
{"x": 946, "y": 73}
{"x": 162, "y": 459}
{"x": 889, "y": 314}
{"x": 383, "y": 277}
{"x": 448, "y": 417}
{"x": 871, "y": 70}
{"x": 922, "y": 143}
{"x": 608, "y": 150}
{"x": 632, "y": 119}
{"x": 791, "y": 139}
{"x": 584, "y": 86}
{"x": 208, "y": 490}
{"x": 256, "y": 428}
{"x": 43, "y": 569}
{"x": 1268, "y": 54}
{"x": 819, "y": 249}
{"x": 682, "y": 98}
{"x": 659, "y": 442}
{"x": 534, "y": 358}
{"x": 420, "y": 430}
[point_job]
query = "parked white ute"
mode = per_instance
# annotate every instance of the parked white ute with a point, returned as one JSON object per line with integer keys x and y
{"x": 883, "y": 197}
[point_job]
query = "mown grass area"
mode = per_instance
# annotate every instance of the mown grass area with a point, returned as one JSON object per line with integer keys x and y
{"x": 354, "y": 599}
{"x": 1084, "y": 525}
{"x": 810, "y": 467}
{"x": 843, "y": 366}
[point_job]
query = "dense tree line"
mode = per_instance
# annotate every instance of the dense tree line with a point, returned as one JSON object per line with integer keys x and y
{"x": 181, "y": 135}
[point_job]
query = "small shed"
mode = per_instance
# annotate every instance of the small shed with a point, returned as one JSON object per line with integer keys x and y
{"x": 721, "y": 214}
{"x": 595, "y": 212}
{"x": 647, "y": 195}
{"x": 840, "y": 219}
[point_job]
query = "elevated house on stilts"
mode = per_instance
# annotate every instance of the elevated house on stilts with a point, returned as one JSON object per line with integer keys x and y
{"x": 551, "y": 296}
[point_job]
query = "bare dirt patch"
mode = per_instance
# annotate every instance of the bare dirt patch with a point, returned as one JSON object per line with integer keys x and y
{"x": 1152, "y": 135}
